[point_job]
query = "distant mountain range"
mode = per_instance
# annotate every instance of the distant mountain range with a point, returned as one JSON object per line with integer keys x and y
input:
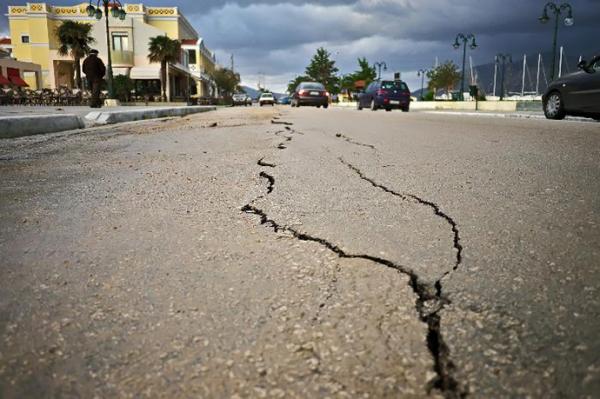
{"x": 254, "y": 93}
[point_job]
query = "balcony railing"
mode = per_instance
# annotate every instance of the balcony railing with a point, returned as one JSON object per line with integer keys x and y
{"x": 120, "y": 57}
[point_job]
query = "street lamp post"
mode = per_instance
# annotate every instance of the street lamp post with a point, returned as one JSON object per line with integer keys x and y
{"x": 503, "y": 59}
{"x": 464, "y": 38}
{"x": 557, "y": 10}
{"x": 117, "y": 11}
{"x": 421, "y": 73}
{"x": 378, "y": 65}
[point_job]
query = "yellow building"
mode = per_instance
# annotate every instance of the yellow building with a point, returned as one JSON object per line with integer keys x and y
{"x": 33, "y": 39}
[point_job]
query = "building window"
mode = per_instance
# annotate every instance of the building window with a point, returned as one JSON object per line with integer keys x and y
{"x": 184, "y": 58}
{"x": 192, "y": 56}
{"x": 120, "y": 41}
{"x": 24, "y": 38}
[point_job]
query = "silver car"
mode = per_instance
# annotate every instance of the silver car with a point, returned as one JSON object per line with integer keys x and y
{"x": 241, "y": 99}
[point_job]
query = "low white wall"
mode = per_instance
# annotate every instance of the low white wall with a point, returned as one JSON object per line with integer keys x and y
{"x": 498, "y": 106}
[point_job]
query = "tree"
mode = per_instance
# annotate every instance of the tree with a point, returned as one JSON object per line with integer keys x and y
{"x": 322, "y": 69}
{"x": 444, "y": 76}
{"x": 294, "y": 83}
{"x": 366, "y": 73}
{"x": 166, "y": 51}
{"x": 226, "y": 80}
{"x": 74, "y": 38}
{"x": 122, "y": 86}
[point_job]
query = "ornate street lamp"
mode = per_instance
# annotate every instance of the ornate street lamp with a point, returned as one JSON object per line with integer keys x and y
{"x": 117, "y": 11}
{"x": 421, "y": 73}
{"x": 503, "y": 59}
{"x": 378, "y": 65}
{"x": 569, "y": 21}
{"x": 464, "y": 38}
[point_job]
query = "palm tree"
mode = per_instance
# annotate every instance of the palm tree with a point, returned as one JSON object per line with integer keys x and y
{"x": 164, "y": 50}
{"x": 74, "y": 38}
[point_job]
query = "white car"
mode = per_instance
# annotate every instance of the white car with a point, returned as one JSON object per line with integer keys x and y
{"x": 241, "y": 99}
{"x": 266, "y": 98}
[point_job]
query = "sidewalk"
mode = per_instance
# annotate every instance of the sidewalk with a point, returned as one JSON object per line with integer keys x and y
{"x": 515, "y": 115}
{"x": 18, "y": 120}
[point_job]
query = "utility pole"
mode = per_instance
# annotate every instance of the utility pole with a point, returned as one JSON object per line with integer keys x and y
{"x": 557, "y": 10}
{"x": 464, "y": 38}
{"x": 495, "y": 74}
{"x": 503, "y": 58}
{"x": 232, "y": 70}
{"x": 421, "y": 73}
{"x": 379, "y": 65}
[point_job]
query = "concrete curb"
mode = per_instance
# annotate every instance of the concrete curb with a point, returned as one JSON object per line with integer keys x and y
{"x": 110, "y": 117}
{"x": 17, "y": 126}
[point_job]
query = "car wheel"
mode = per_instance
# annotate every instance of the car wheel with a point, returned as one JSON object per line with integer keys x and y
{"x": 318, "y": 106}
{"x": 358, "y": 106}
{"x": 405, "y": 109}
{"x": 554, "y": 108}
{"x": 326, "y": 106}
{"x": 388, "y": 110}
{"x": 373, "y": 106}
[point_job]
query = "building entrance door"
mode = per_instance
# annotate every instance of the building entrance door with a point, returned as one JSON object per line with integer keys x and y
{"x": 64, "y": 74}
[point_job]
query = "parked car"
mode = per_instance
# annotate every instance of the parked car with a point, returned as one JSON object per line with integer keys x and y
{"x": 266, "y": 98}
{"x": 241, "y": 99}
{"x": 310, "y": 93}
{"x": 284, "y": 100}
{"x": 575, "y": 94}
{"x": 386, "y": 94}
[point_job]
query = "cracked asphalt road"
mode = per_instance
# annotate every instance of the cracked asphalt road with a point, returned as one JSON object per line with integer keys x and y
{"x": 302, "y": 253}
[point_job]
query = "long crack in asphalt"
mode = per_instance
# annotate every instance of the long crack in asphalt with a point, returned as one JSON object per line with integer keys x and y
{"x": 435, "y": 208}
{"x": 352, "y": 141}
{"x": 262, "y": 162}
{"x": 430, "y": 298}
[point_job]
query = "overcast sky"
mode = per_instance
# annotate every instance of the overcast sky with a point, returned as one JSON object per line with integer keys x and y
{"x": 276, "y": 38}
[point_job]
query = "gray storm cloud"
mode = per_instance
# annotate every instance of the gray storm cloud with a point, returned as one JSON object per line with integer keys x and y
{"x": 275, "y": 39}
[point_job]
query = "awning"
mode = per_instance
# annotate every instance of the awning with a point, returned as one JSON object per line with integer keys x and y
{"x": 120, "y": 71}
{"x": 16, "y": 80}
{"x": 144, "y": 73}
{"x": 3, "y": 80}
{"x": 182, "y": 69}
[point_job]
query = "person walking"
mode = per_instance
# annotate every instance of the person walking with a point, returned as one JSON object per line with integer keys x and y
{"x": 94, "y": 70}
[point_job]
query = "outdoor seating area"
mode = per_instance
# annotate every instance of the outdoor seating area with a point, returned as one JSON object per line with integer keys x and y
{"x": 62, "y": 96}
{"x": 65, "y": 96}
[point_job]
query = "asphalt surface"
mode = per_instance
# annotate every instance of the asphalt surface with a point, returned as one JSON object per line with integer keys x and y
{"x": 278, "y": 252}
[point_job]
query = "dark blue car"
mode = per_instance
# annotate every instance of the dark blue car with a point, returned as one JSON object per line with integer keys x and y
{"x": 386, "y": 94}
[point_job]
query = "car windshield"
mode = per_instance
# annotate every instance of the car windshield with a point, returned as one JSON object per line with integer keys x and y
{"x": 393, "y": 85}
{"x": 312, "y": 86}
{"x": 266, "y": 95}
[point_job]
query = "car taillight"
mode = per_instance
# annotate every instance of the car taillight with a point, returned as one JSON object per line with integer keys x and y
{"x": 381, "y": 92}
{"x": 327, "y": 93}
{"x": 302, "y": 92}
